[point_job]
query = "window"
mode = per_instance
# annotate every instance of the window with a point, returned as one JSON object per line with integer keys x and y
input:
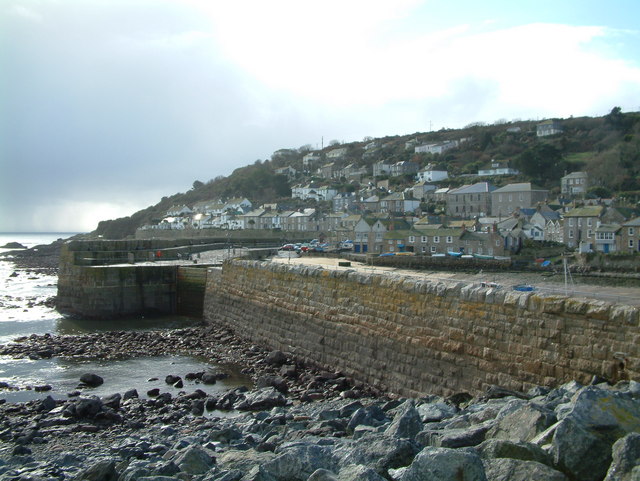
{"x": 423, "y": 238}
{"x": 510, "y": 197}
{"x": 424, "y": 249}
{"x": 499, "y": 197}
{"x": 433, "y": 249}
{"x": 378, "y": 235}
{"x": 436, "y": 239}
{"x": 449, "y": 239}
{"x": 579, "y": 221}
{"x": 412, "y": 239}
{"x": 399, "y": 242}
{"x": 630, "y": 243}
{"x": 589, "y": 233}
{"x": 570, "y": 222}
{"x": 498, "y": 243}
{"x": 631, "y": 231}
{"x": 520, "y": 197}
{"x": 589, "y": 222}
{"x": 570, "y": 234}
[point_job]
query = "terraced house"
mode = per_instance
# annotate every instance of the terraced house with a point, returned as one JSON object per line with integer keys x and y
{"x": 441, "y": 240}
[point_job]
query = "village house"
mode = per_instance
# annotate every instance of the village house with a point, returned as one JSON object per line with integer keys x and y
{"x": 327, "y": 171}
{"x": 337, "y": 154}
{"x": 630, "y": 236}
{"x": 548, "y": 127}
{"x": 289, "y": 171}
{"x": 507, "y": 199}
{"x": 470, "y": 200}
{"x": 580, "y": 225}
{"x": 238, "y": 203}
{"x": 422, "y": 190}
{"x": 432, "y": 173}
{"x": 574, "y": 184}
{"x": 436, "y": 148}
{"x": 607, "y": 238}
{"x": 398, "y": 203}
{"x": 496, "y": 167}
{"x": 441, "y": 240}
{"x": 253, "y": 219}
{"x": 381, "y": 168}
{"x": 550, "y": 222}
{"x": 352, "y": 172}
{"x": 403, "y": 167}
{"x": 179, "y": 211}
{"x": 343, "y": 202}
{"x": 369, "y": 233}
{"x": 371, "y": 204}
{"x": 310, "y": 160}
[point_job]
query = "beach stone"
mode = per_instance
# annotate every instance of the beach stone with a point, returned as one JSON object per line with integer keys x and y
{"x": 435, "y": 412}
{"x": 379, "y": 452}
{"x": 130, "y": 394}
{"x": 272, "y": 381}
{"x": 276, "y": 358}
{"x": 298, "y": 462}
{"x": 209, "y": 378}
{"x": 407, "y": 422}
{"x": 323, "y": 475}
{"x": 265, "y": 398}
{"x": 87, "y": 407}
{"x": 501, "y": 448}
{"x": 194, "y": 460}
{"x": 359, "y": 473}
{"x": 524, "y": 424}
{"x": 626, "y": 459}
{"x": 243, "y": 460}
{"x": 444, "y": 464}
{"x": 91, "y": 380}
{"x": 583, "y": 439}
{"x": 453, "y": 438}
{"x": 369, "y": 416}
{"x": 505, "y": 469}
{"x": 171, "y": 379}
{"x": 103, "y": 470}
{"x": 112, "y": 401}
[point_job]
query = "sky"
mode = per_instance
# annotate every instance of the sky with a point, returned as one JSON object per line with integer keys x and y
{"x": 108, "y": 105}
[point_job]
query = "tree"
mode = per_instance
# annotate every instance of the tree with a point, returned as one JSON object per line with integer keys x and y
{"x": 542, "y": 162}
{"x": 197, "y": 184}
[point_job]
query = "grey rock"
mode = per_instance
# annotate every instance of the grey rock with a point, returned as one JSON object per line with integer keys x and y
{"x": 104, "y": 470}
{"x": 626, "y": 459}
{"x": 112, "y": 401}
{"x": 276, "y": 358}
{"x": 407, "y": 422}
{"x": 524, "y": 424}
{"x": 453, "y": 438}
{"x": 501, "y": 448}
{"x": 323, "y": 475}
{"x": 243, "y": 460}
{"x": 378, "y": 452}
{"x": 172, "y": 379}
{"x": 233, "y": 475}
{"x": 130, "y": 394}
{"x": 265, "y": 398}
{"x": 272, "y": 381}
{"x": 583, "y": 440}
{"x": 369, "y": 416}
{"x": 91, "y": 380}
{"x": 87, "y": 407}
{"x": 359, "y": 473}
{"x": 505, "y": 469}
{"x": 300, "y": 461}
{"x": 443, "y": 464}
{"x": 437, "y": 411}
{"x": 194, "y": 460}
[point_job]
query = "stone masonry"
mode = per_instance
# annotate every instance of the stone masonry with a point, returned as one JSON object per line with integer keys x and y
{"x": 415, "y": 337}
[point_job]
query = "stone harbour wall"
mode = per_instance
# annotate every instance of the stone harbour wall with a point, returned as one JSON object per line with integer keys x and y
{"x": 415, "y": 336}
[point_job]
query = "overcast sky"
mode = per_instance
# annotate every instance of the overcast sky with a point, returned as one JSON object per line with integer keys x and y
{"x": 108, "y": 105}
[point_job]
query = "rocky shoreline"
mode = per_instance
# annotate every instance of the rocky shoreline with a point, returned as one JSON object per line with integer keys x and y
{"x": 301, "y": 423}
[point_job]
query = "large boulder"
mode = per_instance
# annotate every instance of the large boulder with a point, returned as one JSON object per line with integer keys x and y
{"x": 265, "y": 398}
{"x": 378, "y": 452}
{"x": 443, "y": 464}
{"x": 194, "y": 460}
{"x": 356, "y": 472}
{"x": 406, "y": 423}
{"x": 501, "y": 448}
{"x": 505, "y": 469}
{"x": 626, "y": 459}
{"x": 583, "y": 440}
{"x": 91, "y": 380}
{"x": 298, "y": 462}
{"x": 103, "y": 470}
{"x": 436, "y": 411}
{"x": 524, "y": 424}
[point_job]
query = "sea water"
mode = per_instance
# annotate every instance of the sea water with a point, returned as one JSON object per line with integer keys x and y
{"x": 22, "y": 313}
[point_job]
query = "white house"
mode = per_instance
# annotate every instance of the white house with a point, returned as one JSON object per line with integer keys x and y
{"x": 432, "y": 173}
{"x": 496, "y": 167}
{"x": 436, "y": 148}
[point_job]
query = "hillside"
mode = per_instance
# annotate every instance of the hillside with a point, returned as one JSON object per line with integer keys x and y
{"x": 607, "y": 147}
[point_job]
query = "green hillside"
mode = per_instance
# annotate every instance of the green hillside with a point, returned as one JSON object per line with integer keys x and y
{"x": 607, "y": 147}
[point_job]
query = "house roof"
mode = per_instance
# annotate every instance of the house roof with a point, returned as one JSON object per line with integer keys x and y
{"x": 608, "y": 228}
{"x": 477, "y": 188}
{"x": 518, "y": 187}
{"x": 395, "y": 224}
{"x": 398, "y": 234}
{"x": 632, "y": 223}
{"x": 574, "y": 175}
{"x": 589, "y": 211}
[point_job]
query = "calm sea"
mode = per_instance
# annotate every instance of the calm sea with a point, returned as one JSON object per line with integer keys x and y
{"x": 22, "y": 313}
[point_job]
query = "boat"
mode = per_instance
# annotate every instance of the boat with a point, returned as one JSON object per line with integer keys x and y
{"x": 482, "y": 256}
{"x": 524, "y": 288}
{"x": 454, "y": 254}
